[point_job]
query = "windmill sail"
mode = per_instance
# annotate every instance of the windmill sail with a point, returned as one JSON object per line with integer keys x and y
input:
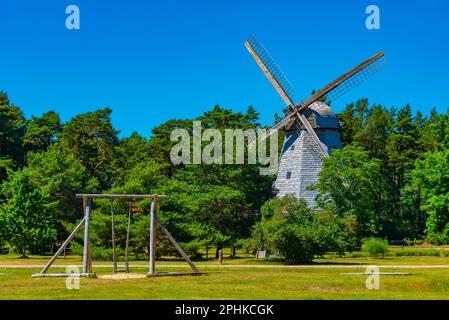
{"x": 356, "y": 79}
{"x": 348, "y": 81}
{"x": 312, "y": 127}
{"x": 271, "y": 70}
{"x": 280, "y": 83}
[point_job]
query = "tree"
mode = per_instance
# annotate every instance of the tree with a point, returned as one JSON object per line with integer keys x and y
{"x": 61, "y": 176}
{"x": 296, "y": 232}
{"x": 3, "y": 229}
{"x": 376, "y": 126}
{"x": 403, "y": 148}
{"x": 91, "y": 138}
{"x": 396, "y": 139}
{"x": 12, "y": 130}
{"x": 350, "y": 184}
{"x": 42, "y": 131}
{"x": 432, "y": 176}
{"x": 226, "y": 198}
{"x": 160, "y": 144}
{"x": 131, "y": 152}
{"x": 27, "y": 216}
{"x": 353, "y": 117}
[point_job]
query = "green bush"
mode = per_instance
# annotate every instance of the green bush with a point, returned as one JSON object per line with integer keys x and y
{"x": 299, "y": 234}
{"x": 244, "y": 245}
{"x": 375, "y": 246}
{"x": 99, "y": 253}
{"x": 356, "y": 254}
{"x": 191, "y": 248}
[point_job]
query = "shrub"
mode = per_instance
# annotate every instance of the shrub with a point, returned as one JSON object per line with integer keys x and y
{"x": 244, "y": 245}
{"x": 296, "y": 232}
{"x": 191, "y": 248}
{"x": 99, "y": 253}
{"x": 375, "y": 246}
{"x": 356, "y": 254}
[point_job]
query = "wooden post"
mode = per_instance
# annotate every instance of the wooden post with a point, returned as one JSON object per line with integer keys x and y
{"x": 127, "y": 238}
{"x": 86, "y": 236}
{"x": 89, "y": 255}
{"x": 114, "y": 256}
{"x": 220, "y": 256}
{"x": 152, "y": 235}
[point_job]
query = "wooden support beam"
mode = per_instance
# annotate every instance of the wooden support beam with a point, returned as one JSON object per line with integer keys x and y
{"x": 63, "y": 246}
{"x": 127, "y": 239}
{"x": 72, "y": 275}
{"x": 89, "y": 255}
{"x": 177, "y": 246}
{"x": 86, "y": 235}
{"x": 174, "y": 274}
{"x": 114, "y": 255}
{"x": 152, "y": 252}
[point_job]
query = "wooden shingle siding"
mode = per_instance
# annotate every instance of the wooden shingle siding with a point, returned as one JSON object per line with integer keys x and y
{"x": 302, "y": 157}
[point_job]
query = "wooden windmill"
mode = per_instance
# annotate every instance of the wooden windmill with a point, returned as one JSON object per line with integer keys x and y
{"x": 311, "y": 126}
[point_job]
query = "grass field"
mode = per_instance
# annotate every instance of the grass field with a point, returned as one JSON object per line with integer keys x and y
{"x": 238, "y": 278}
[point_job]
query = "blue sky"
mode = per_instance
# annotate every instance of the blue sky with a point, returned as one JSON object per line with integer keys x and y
{"x": 151, "y": 61}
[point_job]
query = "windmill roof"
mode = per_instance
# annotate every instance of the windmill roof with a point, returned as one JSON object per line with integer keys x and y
{"x": 320, "y": 115}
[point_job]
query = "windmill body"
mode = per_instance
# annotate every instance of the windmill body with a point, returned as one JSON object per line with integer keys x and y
{"x": 301, "y": 159}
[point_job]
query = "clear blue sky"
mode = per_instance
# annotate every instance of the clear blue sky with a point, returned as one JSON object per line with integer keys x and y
{"x": 151, "y": 61}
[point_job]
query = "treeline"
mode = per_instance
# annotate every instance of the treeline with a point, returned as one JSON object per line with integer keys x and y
{"x": 391, "y": 178}
{"x": 392, "y": 174}
{"x": 45, "y": 162}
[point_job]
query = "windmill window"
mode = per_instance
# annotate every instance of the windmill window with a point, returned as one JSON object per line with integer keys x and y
{"x": 292, "y": 147}
{"x": 289, "y": 174}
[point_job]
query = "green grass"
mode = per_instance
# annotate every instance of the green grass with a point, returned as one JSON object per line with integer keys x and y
{"x": 239, "y": 278}
{"x": 241, "y": 283}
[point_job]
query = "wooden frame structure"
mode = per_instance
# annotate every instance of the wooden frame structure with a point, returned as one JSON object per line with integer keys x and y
{"x": 87, "y": 259}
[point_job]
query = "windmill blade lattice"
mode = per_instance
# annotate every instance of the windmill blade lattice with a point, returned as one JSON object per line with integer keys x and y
{"x": 356, "y": 79}
{"x": 272, "y": 66}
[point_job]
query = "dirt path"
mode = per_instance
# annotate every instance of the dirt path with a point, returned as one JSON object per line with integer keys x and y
{"x": 326, "y": 266}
